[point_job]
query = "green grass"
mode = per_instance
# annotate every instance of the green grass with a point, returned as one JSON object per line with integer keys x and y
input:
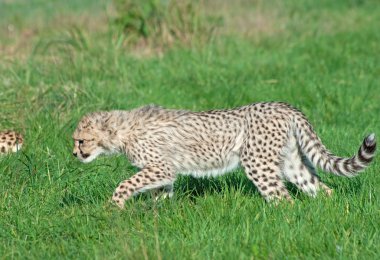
{"x": 320, "y": 56}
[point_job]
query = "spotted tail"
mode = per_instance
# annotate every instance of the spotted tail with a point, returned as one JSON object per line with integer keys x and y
{"x": 317, "y": 153}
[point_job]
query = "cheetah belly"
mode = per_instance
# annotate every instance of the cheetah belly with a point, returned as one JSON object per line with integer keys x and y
{"x": 232, "y": 163}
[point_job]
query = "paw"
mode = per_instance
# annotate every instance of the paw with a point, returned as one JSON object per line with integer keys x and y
{"x": 326, "y": 189}
{"x": 118, "y": 200}
{"x": 278, "y": 199}
{"x": 163, "y": 196}
{"x": 168, "y": 195}
{"x": 329, "y": 192}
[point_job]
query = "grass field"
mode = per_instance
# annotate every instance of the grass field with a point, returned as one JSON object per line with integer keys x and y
{"x": 62, "y": 59}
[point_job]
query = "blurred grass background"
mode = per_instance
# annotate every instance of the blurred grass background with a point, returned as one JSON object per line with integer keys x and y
{"x": 61, "y": 59}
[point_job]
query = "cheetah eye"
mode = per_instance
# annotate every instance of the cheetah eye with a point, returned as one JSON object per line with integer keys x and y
{"x": 80, "y": 141}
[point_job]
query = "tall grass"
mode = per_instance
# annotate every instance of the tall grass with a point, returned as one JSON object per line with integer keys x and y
{"x": 158, "y": 24}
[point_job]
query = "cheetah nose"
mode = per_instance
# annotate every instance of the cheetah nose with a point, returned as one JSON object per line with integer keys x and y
{"x": 75, "y": 154}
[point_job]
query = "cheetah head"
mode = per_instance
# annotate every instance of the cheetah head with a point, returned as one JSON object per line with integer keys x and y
{"x": 93, "y": 137}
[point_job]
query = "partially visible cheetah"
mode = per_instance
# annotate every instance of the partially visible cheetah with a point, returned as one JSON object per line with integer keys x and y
{"x": 272, "y": 141}
{"x": 10, "y": 141}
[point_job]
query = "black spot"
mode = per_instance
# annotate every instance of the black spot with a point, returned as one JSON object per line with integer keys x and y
{"x": 85, "y": 155}
{"x": 325, "y": 165}
{"x": 346, "y": 165}
{"x": 363, "y": 159}
{"x": 356, "y": 167}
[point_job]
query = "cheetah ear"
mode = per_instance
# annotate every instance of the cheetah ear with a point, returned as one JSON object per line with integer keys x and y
{"x": 93, "y": 120}
{"x": 88, "y": 122}
{"x": 106, "y": 125}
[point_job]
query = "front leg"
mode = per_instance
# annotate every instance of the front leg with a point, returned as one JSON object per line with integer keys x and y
{"x": 149, "y": 177}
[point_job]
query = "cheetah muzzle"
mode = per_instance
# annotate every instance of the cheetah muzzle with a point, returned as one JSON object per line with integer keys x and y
{"x": 273, "y": 142}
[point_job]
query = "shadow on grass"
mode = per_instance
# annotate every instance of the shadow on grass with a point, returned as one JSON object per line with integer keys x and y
{"x": 193, "y": 188}
{"x": 199, "y": 187}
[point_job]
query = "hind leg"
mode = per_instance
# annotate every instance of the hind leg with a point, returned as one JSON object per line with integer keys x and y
{"x": 298, "y": 170}
{"x": 267, "y": 180}
{"x": 262, "y": 167}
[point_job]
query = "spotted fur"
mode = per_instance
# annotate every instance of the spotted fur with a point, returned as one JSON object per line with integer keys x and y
{"x": 10, "y": 141}
{"x": 273, "y": 142}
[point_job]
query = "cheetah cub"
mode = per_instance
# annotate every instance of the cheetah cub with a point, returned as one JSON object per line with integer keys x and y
{"x": 273, "y": 142}
{"x": 10, "y": 141}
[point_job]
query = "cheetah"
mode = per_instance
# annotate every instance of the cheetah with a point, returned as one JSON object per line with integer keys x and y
{"x": 10, "y": 141}
{"x": 272, "y": 141}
